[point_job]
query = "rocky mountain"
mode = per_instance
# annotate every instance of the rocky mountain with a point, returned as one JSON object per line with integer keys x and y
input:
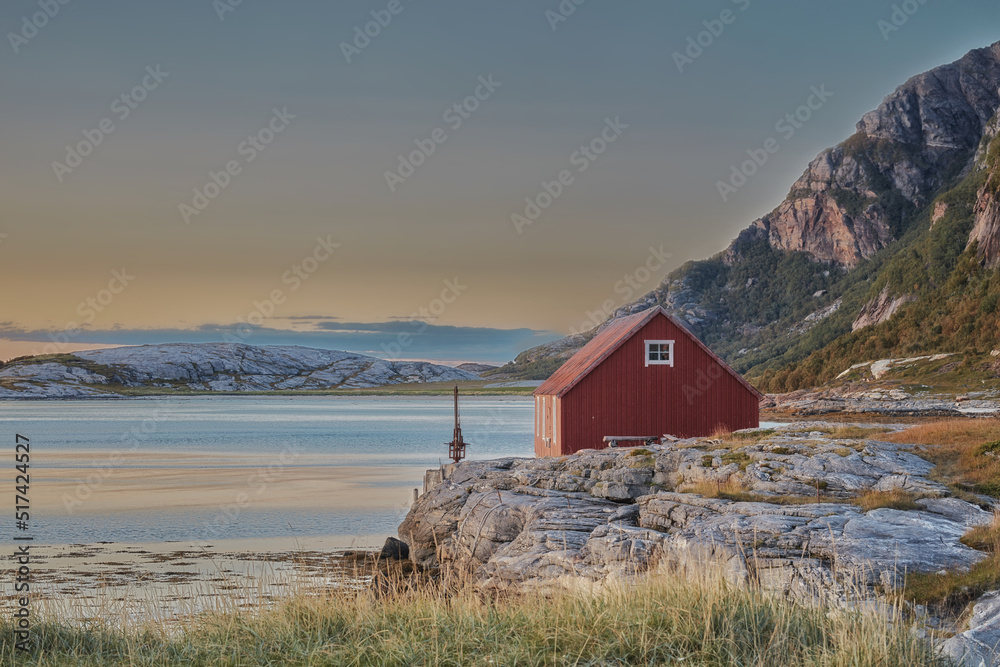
{"x": 208, "y": 367}
{"x": 899, "y": 224}
{"x": 986, "y": 232}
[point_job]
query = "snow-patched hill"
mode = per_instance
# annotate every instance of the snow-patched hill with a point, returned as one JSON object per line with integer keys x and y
{"x": 210, "y": 367}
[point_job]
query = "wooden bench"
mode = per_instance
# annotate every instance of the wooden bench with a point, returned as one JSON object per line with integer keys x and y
{"x": 613, "y": 440}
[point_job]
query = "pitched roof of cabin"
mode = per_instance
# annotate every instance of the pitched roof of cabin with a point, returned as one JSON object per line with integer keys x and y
{"x": 609, "y": 339}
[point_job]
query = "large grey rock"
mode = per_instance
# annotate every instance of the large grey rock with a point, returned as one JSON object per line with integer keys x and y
{"x": 539, "y": 522}
{"x": 980, "y": 645}
{"x": 957, "y": 510}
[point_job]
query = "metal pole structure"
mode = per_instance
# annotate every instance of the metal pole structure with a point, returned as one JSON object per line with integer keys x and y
{"x": 456, "y": 448}
{"x": 458, "y": 425}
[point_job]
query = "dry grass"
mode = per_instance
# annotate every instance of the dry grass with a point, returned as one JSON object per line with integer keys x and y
{"x": 896, "y": 499}
{"x": 985, "y": 538}
{"x": 960, "y": 450}
{"x": 752, "y": 436}
{"x": 735, "y": 491}
{"x": 641, "y": 451}
{"x": 721, "y": 433}
{"x": 954, "y": 590}
{"x": 689, "y": 616}
{"x": 858, "y": 432}
{"x": 722, "y": 437}
{"x": 950, "y": 432}
{"x": 851, "y": 432}
{"x": 732, "y": 487}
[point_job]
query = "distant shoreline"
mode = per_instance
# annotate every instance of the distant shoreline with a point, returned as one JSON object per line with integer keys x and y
{"x": 424, "y": 389}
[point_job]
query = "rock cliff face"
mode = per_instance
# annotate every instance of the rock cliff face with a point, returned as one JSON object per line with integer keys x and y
{"x": 210, "y": 367}
{"x": 920, "y": 134}
{"x": 817, "y": 225}
{"x": 986, "y": 232}
{"x": 942, "y": 110}
{"x": 832, "y": 214}
{"x": 538, "y": 523}
{"x": 879, "y": 310}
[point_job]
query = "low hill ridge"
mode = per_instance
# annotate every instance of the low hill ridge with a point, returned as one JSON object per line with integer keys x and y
{"x": 224, "y": 367}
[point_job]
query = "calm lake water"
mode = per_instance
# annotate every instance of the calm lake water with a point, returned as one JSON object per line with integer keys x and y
{"x": 398, "y": 434}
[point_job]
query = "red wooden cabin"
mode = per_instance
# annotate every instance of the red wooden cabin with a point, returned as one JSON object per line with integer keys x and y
{"x": 642, "y": 376}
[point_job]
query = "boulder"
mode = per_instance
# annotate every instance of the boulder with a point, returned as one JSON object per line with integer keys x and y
{"x": 980, "y": 645}
{"x": 394, "y": 549}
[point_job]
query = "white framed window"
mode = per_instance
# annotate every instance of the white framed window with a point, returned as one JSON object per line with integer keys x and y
{"x": 660, "y": 353}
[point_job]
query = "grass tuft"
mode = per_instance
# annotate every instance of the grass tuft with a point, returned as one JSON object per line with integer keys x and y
{"x": 721, "y": 433}
{"x": 734, "y": 490}
{"x": 985, "y": 537}
{"x": 896, "y": 499}
{"x": 851, "y": 432}
{"x": 952, "y": 591}
{"x": 989, "y": 449}
{"x": 742, "y": 459}
{"x": 858, "y": 432}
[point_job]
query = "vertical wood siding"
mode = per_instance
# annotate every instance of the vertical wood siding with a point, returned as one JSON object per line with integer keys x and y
{"x": 624, "y": 397}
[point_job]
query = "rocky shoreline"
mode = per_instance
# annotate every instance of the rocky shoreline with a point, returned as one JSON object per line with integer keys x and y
{"x": 784, "y": 517}
{"x": 887, "y": 402}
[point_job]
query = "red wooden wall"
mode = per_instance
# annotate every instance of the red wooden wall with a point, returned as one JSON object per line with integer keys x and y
{"x": 624, "y": 397}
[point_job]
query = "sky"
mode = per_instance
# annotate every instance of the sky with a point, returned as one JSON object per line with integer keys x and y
{"x": 266, "y": 172}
